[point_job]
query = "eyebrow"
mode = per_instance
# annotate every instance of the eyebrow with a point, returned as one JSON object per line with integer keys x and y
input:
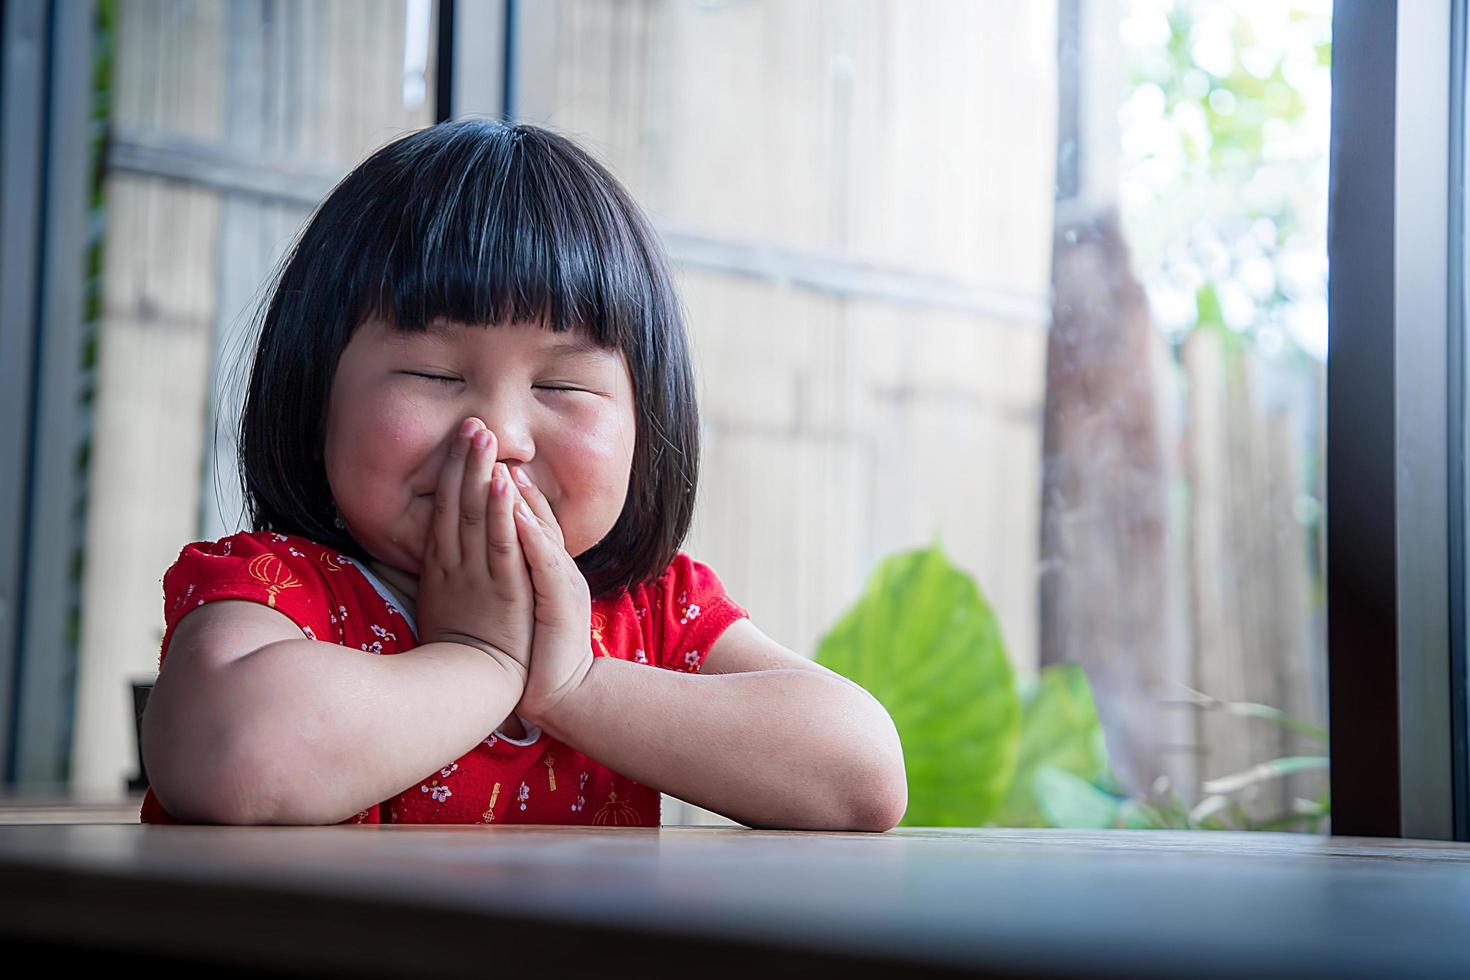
{"x": 442, "y": 331}
{"x": 579, "y": 346}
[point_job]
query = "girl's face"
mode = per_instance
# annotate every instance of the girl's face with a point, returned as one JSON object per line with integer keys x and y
{"x": 561, "y": 409}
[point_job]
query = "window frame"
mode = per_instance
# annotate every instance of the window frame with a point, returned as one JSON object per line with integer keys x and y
{"x": 1395, "y": 421}
{"x": 46, "y": 62}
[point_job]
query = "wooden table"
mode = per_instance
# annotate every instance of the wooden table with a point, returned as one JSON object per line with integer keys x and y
{"x": 716, "y": 902}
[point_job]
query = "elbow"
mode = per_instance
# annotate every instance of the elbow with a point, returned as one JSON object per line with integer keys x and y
{"x": 883, "y": 804}
{"x": 258, "y": 791}
{"x": 216, "y": 795}
{"x": 878, "y": 775}
{"x": 197, "y": 767}
{"x": 200, "y": 785}
{"x": 878, "y": 794}
{"x": 245, "y": 797}
{"x": 188, "y": 770}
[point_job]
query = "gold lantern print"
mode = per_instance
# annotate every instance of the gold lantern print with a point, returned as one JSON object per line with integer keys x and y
{"x": 615, "y": 813}
{"x": 271, "y": 572}
{"x": 599, "y": 623}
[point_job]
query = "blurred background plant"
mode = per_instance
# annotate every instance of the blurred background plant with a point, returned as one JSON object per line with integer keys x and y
{"x": 983, "y": 748}
{"x": 1224, "y": 153}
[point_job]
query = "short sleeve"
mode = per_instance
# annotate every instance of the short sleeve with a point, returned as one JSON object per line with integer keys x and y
{"x": 275, "y": 570}
{"x": 693, "y": 610}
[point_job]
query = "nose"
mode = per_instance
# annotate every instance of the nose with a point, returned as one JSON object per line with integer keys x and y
{"x": 509, "y": 419}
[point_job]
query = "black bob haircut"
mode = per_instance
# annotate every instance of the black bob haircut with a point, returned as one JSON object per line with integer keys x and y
{"x": 479, "y": 223}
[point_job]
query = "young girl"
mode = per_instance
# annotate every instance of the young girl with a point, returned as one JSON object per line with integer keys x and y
{"x": 469, "y": 451}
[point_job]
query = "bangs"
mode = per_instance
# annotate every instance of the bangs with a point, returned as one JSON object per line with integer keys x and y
{"x": 488, "y": 224}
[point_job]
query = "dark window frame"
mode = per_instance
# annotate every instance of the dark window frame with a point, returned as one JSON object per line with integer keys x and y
{"x": 1396, "y": 430}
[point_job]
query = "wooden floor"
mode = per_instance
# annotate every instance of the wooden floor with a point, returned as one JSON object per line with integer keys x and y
{"x": 420, "y": 901}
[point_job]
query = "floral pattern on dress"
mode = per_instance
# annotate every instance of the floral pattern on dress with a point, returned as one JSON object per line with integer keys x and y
{"x": 188, "y": 593}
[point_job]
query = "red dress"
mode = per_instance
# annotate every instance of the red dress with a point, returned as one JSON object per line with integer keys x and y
{"x": 668, "y": 624}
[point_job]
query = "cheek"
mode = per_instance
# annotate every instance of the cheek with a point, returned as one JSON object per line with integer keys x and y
{"x": 603, "y": 448}
{"x": 375, "y": 438}
{"x": 594, "y": 458}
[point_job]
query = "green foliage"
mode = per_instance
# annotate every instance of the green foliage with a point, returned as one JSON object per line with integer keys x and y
{"x": 1060, "y": 737}
{"x": 981, "y": 748}
{"x": 1162, "y": 809}
{"x": 1073, "y": 802}
{"x": 1224, "y": 166}
{"x": 926, "y": 644}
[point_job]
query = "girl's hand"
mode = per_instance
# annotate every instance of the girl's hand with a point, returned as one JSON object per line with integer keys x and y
{"x": 474, "y": 588}
{"x": 561, "y": 649}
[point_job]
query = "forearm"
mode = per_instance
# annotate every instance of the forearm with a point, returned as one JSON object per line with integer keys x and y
{"x": 771, "y": 748}
{"x": 325, "y": 732}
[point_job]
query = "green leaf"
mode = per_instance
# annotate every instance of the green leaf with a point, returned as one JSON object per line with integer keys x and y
{"x": 927, "y": 645}
{"x": 1139, "y": 815}
{"x": 1207, "y": 306}
{"x": 1072, "y": 802}
{"x": 1059, "y": 730}
{"x": 1250, "y": 709}
{"x": 1266, "y": 770}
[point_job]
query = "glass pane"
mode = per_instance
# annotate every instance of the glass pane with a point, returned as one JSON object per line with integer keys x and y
{"x": 1044, "y": 285}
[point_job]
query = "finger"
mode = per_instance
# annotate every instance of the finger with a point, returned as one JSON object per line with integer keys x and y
{"x": 507, "y": 565}
{"x": 543, "y": 553}
{"x": 537, "y": 501}
{"x": 446, "y": 495}
{"x": 474, "y": 498}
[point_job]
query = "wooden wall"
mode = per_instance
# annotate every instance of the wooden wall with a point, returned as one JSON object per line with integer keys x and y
{"x": 1254, "y": 638}
{"x": 896, "y": 142}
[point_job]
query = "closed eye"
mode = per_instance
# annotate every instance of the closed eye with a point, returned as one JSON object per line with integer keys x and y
{"x": 451, "y": 379}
